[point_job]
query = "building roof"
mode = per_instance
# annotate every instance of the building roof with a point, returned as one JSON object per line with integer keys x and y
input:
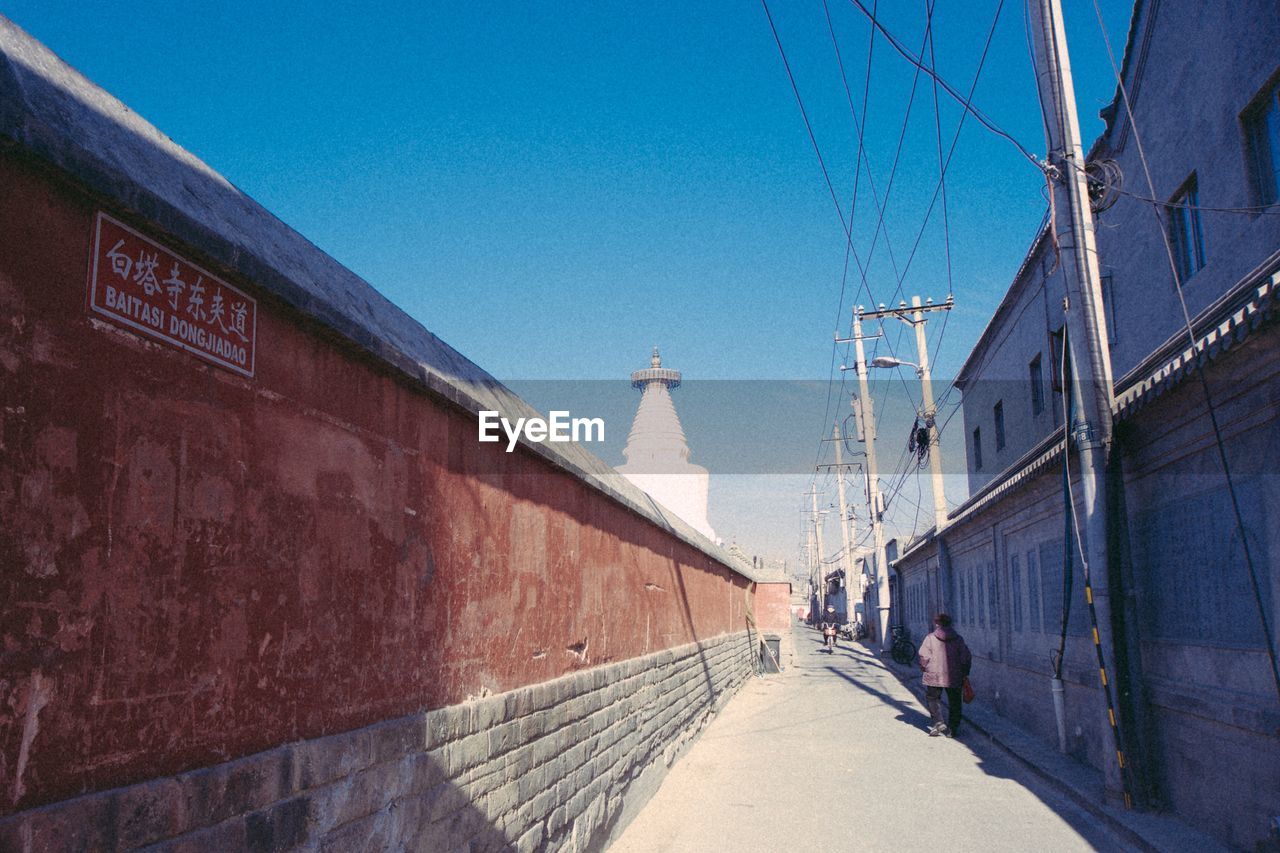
{"x": 1111, "y": 112}
{"x": 1007, "y": 302}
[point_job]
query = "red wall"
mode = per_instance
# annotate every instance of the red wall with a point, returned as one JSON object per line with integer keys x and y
{"x": 196, "y": 566}
{"x": 773, "y": 606}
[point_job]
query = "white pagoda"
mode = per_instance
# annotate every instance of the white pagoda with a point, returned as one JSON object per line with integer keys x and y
{"x": 657, "y": 453}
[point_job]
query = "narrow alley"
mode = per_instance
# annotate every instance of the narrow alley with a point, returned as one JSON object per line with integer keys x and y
{"x": 835, "y": 748}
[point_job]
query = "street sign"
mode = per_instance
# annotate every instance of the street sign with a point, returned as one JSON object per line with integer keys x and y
{"x": 137, "y": 283}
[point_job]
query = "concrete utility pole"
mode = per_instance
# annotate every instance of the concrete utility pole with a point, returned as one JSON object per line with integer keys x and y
{"x": 874, "y": 504}
{"x": 846, "y": 529}
{"x": 1091, "y": 386}
{"x": 848, "y": 532}
{"x": 817, "y": 531}
{"x": 809, "y": 549}
{"x": 915, "y": 318}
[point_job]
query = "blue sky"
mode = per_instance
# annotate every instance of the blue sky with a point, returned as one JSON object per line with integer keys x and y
{"x": 555, "y": 188}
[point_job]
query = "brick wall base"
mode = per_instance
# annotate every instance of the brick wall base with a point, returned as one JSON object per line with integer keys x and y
{"x": 560, "y": 765}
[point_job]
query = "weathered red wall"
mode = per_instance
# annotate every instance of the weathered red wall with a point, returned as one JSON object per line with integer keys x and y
{"x": 773, "y": 606}
{"x": 196, "y": 566}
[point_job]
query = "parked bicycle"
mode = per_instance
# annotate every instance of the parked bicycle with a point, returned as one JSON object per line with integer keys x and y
{"x": 902, "y": 651}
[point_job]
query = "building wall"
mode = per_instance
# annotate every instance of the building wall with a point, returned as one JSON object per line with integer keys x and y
{"x": 1188, "y": 118}
{"x": 1202, "y": 707}
{"x": 1212, "y": 703}
{"x": 773, "y": 607}
{"x": 999, "y": 371}
{"x": 1189, "y": 121}
{"x": 1204, "y": 699}
{"x": 199, "y": 566}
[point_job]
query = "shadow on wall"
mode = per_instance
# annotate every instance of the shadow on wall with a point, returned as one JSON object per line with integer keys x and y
{"x": 399, "y": 804}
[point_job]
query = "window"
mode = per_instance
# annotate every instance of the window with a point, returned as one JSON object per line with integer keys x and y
{"x": 1037, "y": 386}
{"x": 998, "y": 411}
{"x": 1052, "y": 586}
{"x": 1184, "y": 230}
{"x": 1057, "y": 341}
{"x": 1015, "y": 591}
{"x": 977, "y": 449}
{"x": 983, "y": 618}
{"x": 1109, "y": 306}
{"x": 1057, "y": 352}
{"x": 970, "y": 611}
{"x": 1033, "y": 593}
{"x": 1262, "y": 136}
{"x": 993, "y": 602}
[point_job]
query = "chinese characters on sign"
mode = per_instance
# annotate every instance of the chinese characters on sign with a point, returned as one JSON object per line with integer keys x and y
{"x": 139, "y": 284}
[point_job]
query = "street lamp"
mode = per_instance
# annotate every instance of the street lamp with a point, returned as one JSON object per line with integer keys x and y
{"x": 929, "y": 413}
{"x": 890, "y": 361}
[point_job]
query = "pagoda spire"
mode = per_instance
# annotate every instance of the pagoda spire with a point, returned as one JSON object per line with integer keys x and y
{"x": 657, "y": 451}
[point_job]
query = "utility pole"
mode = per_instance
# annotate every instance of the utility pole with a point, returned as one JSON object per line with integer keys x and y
{"x": 808, "y": 556}
{"x": 873, "y": 482}
{"x": 817, "y": 530}
{"x": 1091, "y": 387}
{"x": 845, "y": 539}
{"x": 847, "y": 530}
{"x": 915, "y": 318}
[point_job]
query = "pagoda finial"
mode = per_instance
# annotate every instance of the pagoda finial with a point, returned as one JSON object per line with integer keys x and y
{"x": 655, "y": 373}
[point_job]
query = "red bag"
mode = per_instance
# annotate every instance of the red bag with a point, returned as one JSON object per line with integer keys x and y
{"x": 966, "y": 691}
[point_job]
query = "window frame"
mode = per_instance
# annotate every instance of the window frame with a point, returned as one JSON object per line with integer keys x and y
{"x": 977, "y": 448}
{"x": 1185, "y": 229}
{"x": 1036, "y": 370}
{"x": 1015, "y": 592}
{"x": 1107, "y": 286}
{"x": 1260, "y": 124}
{"x": 1057, "y": 347}
{"x": 997, "y": 413}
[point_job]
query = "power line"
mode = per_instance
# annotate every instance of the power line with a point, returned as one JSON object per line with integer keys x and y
{"x": 955, "y": 140}
{"x": 830, "y": 189}
{"x": 807, "y": 125}
{"x": 882, "y": 206}
{"x": 942, "y": 169}
{"x": 966, "y": 103}
{"x": 940, "y": 187}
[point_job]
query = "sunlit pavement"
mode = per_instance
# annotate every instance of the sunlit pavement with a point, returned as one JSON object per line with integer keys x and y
{"x": 833, "y": 754}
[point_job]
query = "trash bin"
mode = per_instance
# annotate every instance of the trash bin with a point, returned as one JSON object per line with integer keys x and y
{"x": 770, "y": 653}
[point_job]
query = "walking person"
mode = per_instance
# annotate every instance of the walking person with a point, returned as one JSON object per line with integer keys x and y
{"x": 945, "y": 661}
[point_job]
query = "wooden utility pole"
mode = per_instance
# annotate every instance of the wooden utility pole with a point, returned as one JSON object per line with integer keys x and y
{"x": 1091, "y": 384}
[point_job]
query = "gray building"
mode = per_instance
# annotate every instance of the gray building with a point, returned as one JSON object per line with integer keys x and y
{"x": 1199, "y": 707}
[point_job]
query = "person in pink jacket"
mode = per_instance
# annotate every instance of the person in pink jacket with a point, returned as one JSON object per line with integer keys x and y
{"x": 945, "y": 661}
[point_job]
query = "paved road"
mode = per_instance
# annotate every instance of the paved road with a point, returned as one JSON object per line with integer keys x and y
{"x": 751, "y": 782}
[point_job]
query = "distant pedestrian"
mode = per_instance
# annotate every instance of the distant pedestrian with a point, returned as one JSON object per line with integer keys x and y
{"x": 945, "y": 660}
